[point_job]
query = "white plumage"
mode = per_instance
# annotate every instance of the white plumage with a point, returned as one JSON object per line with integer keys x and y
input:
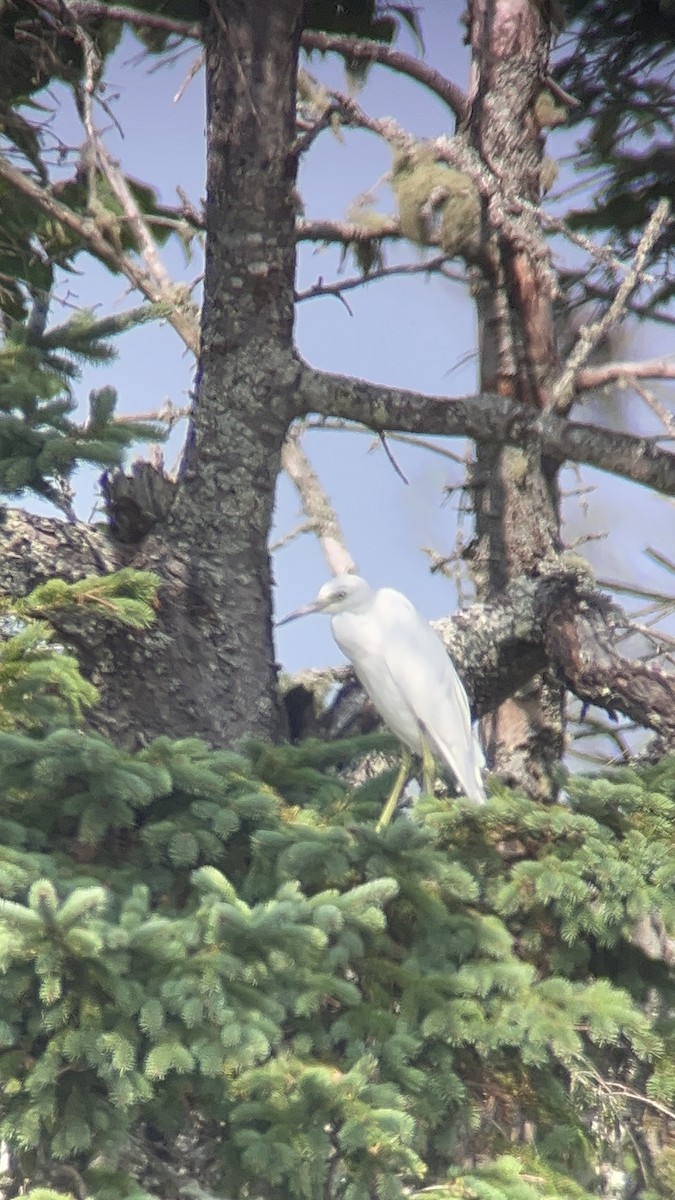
{"x": 407, "y": 673}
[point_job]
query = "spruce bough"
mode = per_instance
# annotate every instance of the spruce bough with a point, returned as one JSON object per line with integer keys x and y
{"x": 216, "y": 976}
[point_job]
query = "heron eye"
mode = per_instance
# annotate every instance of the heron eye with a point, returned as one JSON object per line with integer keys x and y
{"x": 340, "y": 596}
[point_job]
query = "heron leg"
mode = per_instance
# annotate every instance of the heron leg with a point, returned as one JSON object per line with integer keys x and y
{"x": 399, "y": 784}
{"x": 428, "y": 768}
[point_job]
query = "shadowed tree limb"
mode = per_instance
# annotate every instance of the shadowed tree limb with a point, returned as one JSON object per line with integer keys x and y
{"x": 581, "y": 642}
{"x": 90, "y": 10}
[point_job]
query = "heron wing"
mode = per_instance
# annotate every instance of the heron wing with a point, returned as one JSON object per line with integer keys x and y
{"x": 425, "y": 676}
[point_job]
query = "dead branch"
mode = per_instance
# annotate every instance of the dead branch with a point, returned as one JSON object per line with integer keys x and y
{"x": 431, "y": 266}
{"x": 591, "y": 335}
{"x": 624, "y": 373}
{"x": 169, "y": 414}
{"x": 581, "y": 641}
{"x": 137, "y": 223}
{"x": 665, "y": 417}
{"x": 316, "y": 505}
{"x": 90, "y": 10}
{"x": 342, "y": 426}
{"x": 345, "y": 232}
{"x": 97, "y": 240}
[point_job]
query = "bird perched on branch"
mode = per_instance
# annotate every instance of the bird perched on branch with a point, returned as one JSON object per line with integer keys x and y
{"x": 410, "y": 679}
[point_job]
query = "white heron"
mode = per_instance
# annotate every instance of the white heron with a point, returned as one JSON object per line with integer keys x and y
{"x": 403, "y": 666}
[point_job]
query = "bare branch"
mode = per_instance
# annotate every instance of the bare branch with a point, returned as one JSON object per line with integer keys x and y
{"x": 316, "y": 505}
{"x": 98, "y": 242}
{"x": 487, "y": 418}
{"x": 345, "y": 232}
{"x": 590, "y": 335}
{"x": 90, "y": 10}
{"x": 341, "y": 425}
{"x": 194, "y": 69}
{"x": 137, "y": 224}
{"x": 624, "y": 372}
{"x": 392, "y": 460}
{"x": 602, "y": 254}
{"x": 169, "y": 414}
{"x": 429, "y": 267}
{"x": 287, "y": 538}
{"x": 666, "y": 418}
{"x": 369, "y": 51}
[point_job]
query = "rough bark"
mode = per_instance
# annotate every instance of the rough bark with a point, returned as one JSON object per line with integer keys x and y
{"x": 38, "y": 548}
{"x": 207, "y": 665}
{"x": 515, "y": 490}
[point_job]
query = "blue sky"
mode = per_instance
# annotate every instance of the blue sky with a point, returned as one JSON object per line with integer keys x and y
{"x": 410, "y": 332}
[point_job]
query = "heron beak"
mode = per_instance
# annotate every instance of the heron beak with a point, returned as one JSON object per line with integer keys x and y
{"x": 305, "y": 611}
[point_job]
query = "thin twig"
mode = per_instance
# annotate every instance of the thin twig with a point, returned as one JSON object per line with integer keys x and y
{"x": 383, "y": 442}
{"x": 659, "y": 409}
{"x": 591, "y": 335}
{"x": 429, "y": 267}
{"x": 194, "y": 70}
{"x": 410, "y": 439}
{"x": 621, "y": 1089}
{"x": 292, "y": 535}
{"x": 624, "y": 373}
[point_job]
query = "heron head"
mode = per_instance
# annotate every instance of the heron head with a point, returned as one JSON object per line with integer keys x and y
{"x": 345, "y": 593}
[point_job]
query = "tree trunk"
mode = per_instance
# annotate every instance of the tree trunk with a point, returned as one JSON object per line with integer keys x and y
{"x": 207, "y": 666}
{"x": 516, "y": 492}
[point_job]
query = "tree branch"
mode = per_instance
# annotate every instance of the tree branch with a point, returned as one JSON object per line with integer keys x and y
{"x": 36, "y": 548}
{"x": 591, "y": 335}
{"x": 90, "y": 10}
{"x": 581, "y": 643}
{"x": 322, "y": 518}
{"x": 98, "y": 243}
{"x": 487, "y": 418}
{"x": 366, "y": 51}
{"x": 428, "y": 267}
{"x": 345, "y": 232}
{"x": 595, "y": 377}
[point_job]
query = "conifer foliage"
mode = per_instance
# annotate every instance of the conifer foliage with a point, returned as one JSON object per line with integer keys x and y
{"x": 217, "y": 979}
{"x": 40, "y": 442}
